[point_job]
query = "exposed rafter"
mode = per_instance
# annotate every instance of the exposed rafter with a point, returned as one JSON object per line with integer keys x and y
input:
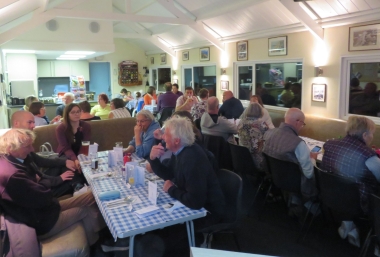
{"x": 304, "y": 18}
{"x": 4, "y": 3}
{"x": 128, "y": 6}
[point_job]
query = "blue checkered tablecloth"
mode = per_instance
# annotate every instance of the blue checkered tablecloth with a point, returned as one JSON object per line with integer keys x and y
{"x": 122, "y": 222}
{"x": 151, "y": 108}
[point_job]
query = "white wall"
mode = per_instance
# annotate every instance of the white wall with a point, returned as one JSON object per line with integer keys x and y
{"x": 21, "y": 67}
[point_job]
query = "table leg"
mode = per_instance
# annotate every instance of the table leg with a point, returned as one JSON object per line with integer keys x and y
{"x": 131, "y": 245}
{"x": 190, "y": 233}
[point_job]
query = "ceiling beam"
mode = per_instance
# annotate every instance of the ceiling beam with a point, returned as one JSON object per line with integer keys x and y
{"x": 304, "y": 18}
{"x": 44, "y": 4}
{"x": 17, "y": 9}
{"x": 128, "y": 6}
{"x": 5, "y": 3}
{"x": 69, "y": 4}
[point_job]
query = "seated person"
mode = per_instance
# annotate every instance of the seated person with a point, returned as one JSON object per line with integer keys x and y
{"x": 168, "y": 99}
{"x": 71, "y": 132}
{"x": 186, "y": 101}
{"x": 39, "y": 112}
{"x": 150, "y": 95}
{"x": 85, "y": 114}
{"x": 231, "y": 108}
{"x": 213, "y": 124}
{"x": 189, "y": 176}
{"x": 27, "y": 198}
{"x": 286, "y": 95}
{"x": 125, "y": 95}
{"x": 143, "y": 140}
{"x": 353, "y": 157}
{"x": 102, "y": 109}
{"x": 266, "y": 117}
{"x": 67, "y": 99}
{"x": 28, "y": 101}
{"x": 118, "y": 109}
{"x": 201, "y": 107}
{"x": 251, "y": 130}
{"x": 175, "y": 90}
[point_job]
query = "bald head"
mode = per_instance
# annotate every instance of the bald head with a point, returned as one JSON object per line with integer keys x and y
{"x": 227, "y": 95}
{"x": 23, "y": 120}
{"x": 213, "y": 105}
{"x": 296, "y": 118}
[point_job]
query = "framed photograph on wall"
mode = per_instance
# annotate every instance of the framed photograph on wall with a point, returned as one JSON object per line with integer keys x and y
{"x": 318, "y": 92}
{"x": 224, "y": 85}
{"x": 185, "y": 55}
{"x": 204, "y": 54}
{"x": 278, "y": 46}
{"x": 151, "y": 60}
{"x": 242, "y": 50}
{"x": 362, "y": 38}
{"x": 163, "y": 58}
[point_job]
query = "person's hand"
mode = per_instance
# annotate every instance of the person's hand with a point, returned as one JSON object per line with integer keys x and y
{"x": 148, "y": 167}
{"x": 157, "y": 151}
{"x": 56, "y": 119}
{"x": 168, "y": 184}
{"x": 189, "y": 100}
{"x": 313, "y": 155}
{"x": 71, "y": 165}
{"x": 77, "y": 166}
{"x": 138, "y": 130}
{"x": 68, "y": 175}
{"x": 157, "y": 134}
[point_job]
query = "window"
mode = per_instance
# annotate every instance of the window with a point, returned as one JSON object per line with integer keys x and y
{"x": 202, "y": 76}
{"x": 159, "y": 77}
{"x": 278, "y": 84}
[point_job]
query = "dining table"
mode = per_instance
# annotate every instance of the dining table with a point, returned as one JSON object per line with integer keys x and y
{"x": 311, "y": 143}
{"x": 122, "y": 219}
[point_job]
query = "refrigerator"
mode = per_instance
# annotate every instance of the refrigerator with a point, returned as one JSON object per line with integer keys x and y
{"x": 22, "y": 88}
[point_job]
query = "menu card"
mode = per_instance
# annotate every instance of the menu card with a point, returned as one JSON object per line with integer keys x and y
{"x": 118, "y": 154}
{"x": 152, "y": 192}
{"x": 93, "y": 149}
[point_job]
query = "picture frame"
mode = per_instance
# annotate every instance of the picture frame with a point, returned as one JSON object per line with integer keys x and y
{"x": 364, "y": 38}
{"x": 318, "y": 92}
{"x": 151, "y": 60}
{"x": 185, "y": 55}
{"x": 204, "y": 54}
{"x": 224, "y": 85}
{"x": 278, "y": 46}
{"x": 242, "y": 50}
{"x": 163, "y": 58}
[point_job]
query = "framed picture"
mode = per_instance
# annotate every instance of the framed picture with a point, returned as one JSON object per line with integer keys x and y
{"x": 362, "y": 38}
{"x": 224, "y": 85}
{"x": 278, "y": 46}
{"x": 185, "y": 55}
{"x": 151, "y": 60}
{"x": 318, "y": 92}
{"x": 242, "y": 50}
{"x": 163, "y": 58}
{"x": 204, "y": 54}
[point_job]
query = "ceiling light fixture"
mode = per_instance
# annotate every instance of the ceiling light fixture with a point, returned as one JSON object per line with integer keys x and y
{"x": 72, "y": 56}
{"x": 80, "y": 52}
{"x": 67, "y": 58}
{"x": 16, "y": 51}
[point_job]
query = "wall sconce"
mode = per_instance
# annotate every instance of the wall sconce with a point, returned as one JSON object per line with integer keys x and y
{"x": 223, "y": 71}
{"x": 174, "y": 72}
{"x": 318, "y": 71}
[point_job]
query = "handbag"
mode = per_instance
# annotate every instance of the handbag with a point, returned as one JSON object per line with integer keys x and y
{"x": 46, "y": 150}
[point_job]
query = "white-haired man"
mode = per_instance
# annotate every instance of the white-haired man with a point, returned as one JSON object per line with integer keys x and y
{"x": 189, "y": 176}
{"x": 67, "y": 99}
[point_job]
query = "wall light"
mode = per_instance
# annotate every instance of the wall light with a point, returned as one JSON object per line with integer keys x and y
{"x": 318, "y": 71}
{"x": 223, "y": 71}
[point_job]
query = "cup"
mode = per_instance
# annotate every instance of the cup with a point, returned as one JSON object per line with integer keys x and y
{"x": 119, "y": 144}
{"x": 85, "y": 146}
{"x": 153, "y": 102}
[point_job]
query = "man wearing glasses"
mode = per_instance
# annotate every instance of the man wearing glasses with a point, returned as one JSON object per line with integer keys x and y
{"x": 67, "y": 99}
{"x": 143, "y": 140}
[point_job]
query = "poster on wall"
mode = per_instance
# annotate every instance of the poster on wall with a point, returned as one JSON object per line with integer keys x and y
{"x": 78, "y": 88}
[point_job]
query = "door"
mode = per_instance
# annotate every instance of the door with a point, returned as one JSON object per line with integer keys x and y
{"x": 100, "y": 78}
{"x": 188, "y": 78}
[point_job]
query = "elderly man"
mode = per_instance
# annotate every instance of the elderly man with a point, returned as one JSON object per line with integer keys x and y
{"x": 283, "y": 143}
{"x": 54, "y": 166}
{"x": 168, "y": 99}
{"x": 185, "y": 102}
{"x": 143, "y": 140}
{"x": 175, "y": 90}
{"x": 353, "y": 157}
{"x": 213, "y": 124}
{"x": 232, "y": 108}
{"x": 189, "y": 176}
{"x": 67, "y": 99}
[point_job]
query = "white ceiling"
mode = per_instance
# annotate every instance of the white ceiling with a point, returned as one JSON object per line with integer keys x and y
{"x": 171, "y": 25}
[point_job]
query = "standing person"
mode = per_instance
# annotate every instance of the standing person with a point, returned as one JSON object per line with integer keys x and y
{"x": 231, "y": 108}
{"x": 102, "y": 109}
{"x": 67, "y": 99}
{"x": 201, "y": 107}
{"x": 186, "y": 101}
{"x": 168, "y": 99}
{"x": 266, "y": 117}
{"x": 251, "y": 130}
{"x": 150, "y": 95}
{"x": 175, "y": 90}
{"x": 85, "y": 114}
{"x": 71, "y": 133}
{"x": 118, "y": 110}
{"x": 39, "y": 111}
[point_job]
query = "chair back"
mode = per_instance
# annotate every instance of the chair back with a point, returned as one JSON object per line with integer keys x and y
{"x": 375, "y": 205}
{"x": 139, "y": 106}
{"x": 242, "y": 161}
{"x": 165, "y": 114}
{"x": 285, "y": 175}
{"x": 340, "y": 194}
{"x": 221, "y": 150}
{"x": 231, "y": 185}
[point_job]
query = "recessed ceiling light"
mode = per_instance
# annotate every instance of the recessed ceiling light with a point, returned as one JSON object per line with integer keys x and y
{"x": 79, "y": 52}
{"x": 16, "y": 51}
{"x": 72, "y": 56}
{"x": 67, "y": 58}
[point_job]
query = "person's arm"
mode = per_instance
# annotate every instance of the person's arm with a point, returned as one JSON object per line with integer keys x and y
{"x": 63, "y": 143}
{"x": 181, "y": 103}
{"x": 47, "y": 162}
{"x": 373, "y": 164}
{"x": 160, "y": 170}
{"x": 303, "y": 156}
{"x": 93, "y": 110}
{"x": 228, "y": 127}
{"x": 147, "y": 141}
{"x": 110, "y": 116}
{"x": 221, "y": 111}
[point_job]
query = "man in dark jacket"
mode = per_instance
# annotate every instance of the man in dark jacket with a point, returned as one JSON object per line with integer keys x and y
{"x": 232, "y": 108}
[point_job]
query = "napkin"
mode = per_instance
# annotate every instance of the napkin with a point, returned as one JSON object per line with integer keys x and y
{"x": 147, "y": 211}
{"x": 111, "y": 159}
{"x": 170, "y": 207}
{"x": 92, "y": 149}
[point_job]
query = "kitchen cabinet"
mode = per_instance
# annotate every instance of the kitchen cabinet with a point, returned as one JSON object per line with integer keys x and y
{"x": 48, "y": 68}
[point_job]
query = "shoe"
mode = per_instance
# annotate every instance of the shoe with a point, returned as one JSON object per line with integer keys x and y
{"x": 346, "y": 227}
{"x": 122, "y": 244}
{"x": 353, "y": 237}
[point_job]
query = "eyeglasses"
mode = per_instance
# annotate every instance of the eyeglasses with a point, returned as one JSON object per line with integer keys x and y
{"x": 303, "y": 123}
{"x": 141, "y": 121}
{"x": 73, "y": 113}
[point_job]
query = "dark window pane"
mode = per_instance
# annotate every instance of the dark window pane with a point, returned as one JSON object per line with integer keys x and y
{"x": 245, "y": 82}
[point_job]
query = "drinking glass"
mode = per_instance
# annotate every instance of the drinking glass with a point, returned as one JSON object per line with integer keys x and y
{"x": 85, "y": 146}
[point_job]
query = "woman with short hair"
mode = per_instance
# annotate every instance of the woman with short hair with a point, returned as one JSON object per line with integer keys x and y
{"x": 102, "y": 109}
{"x": 39, "y": 112}
{"x": 118, "y": 109}
{"x": 266, "y": 117}
{"x": 150, "y": 95}
{"x": 85, "y": 112}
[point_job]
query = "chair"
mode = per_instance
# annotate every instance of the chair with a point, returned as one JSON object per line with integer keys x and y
{"x": 165, "y": 114}
{"x": 221, "y": 150}
{"x": 243, "y": 164}
{"x": 375, "y": 217}
{"x": 231, "y": 185}
{"x": 138, "y": 108}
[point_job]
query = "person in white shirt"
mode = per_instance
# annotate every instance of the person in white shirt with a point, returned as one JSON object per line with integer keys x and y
{"x": 186, "y": 101}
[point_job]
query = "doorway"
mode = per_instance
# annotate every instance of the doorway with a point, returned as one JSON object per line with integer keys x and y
{"x": 100, "y": 78}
